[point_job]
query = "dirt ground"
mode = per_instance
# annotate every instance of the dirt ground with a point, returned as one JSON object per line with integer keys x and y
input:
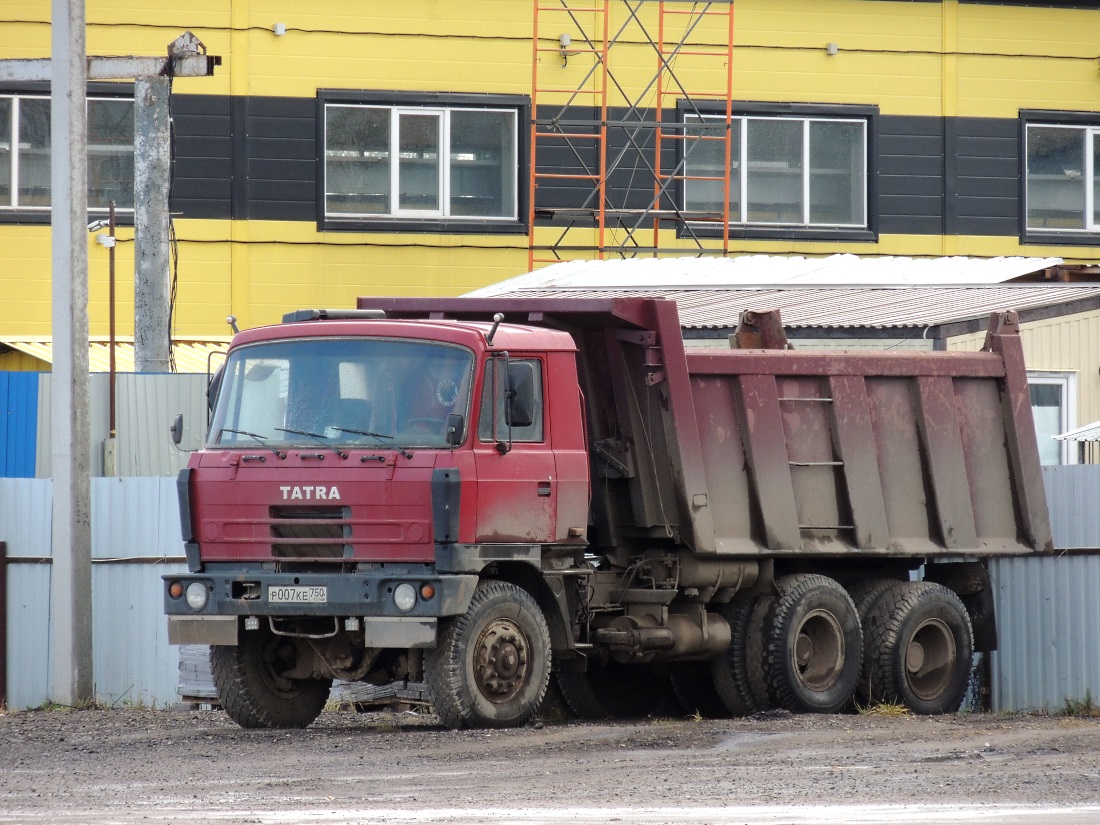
{"x": 136, "y": 765}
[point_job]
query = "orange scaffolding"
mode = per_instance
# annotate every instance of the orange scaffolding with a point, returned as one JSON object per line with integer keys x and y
{"x": 599, "y": 142}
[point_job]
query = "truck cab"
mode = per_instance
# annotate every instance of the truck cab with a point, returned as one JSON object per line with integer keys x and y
{"x": 359, "y": 475}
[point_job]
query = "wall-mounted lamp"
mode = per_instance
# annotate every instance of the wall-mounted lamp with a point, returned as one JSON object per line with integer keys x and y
{"x": 563, "y": 44}
{"x": 279, "y": 29}
{"x": 831, "y": 49}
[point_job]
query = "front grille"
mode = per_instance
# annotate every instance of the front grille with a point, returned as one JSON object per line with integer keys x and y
{"x": 311, "y": 532}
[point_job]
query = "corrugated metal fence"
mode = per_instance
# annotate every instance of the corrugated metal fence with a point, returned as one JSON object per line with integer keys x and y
{"x": 146, "y": 406}
{"x": 1048, "y": 608}
{"x": 135, "y": 539}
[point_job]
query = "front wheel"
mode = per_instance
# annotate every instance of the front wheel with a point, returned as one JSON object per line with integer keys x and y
{"x": 253, "y": 688}
{"x": 492, "y": 665}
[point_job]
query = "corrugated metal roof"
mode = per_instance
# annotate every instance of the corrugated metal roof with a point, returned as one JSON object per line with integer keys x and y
{"x": 771, "y": 270}
{"x": 838, "y": 291}
{"x": 878, "y": 307}
{"x": 190, "y": 355}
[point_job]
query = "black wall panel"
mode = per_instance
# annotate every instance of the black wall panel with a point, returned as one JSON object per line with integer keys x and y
{"x": 202, "y": 169}
{"x": 986, "y": 185}
{"x": 256, "y": 158}
{"x": 910, "y": 173}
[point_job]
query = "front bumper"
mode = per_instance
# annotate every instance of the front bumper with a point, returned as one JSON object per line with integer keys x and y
{"x": 363, "y": 595}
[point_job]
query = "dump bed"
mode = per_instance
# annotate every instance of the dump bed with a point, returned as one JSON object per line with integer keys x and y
{"x": 773, "y": 452}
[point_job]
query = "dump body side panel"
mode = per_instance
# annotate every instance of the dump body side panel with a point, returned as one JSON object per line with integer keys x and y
{"x": 844, "y": 454}
{"x": 780, "y": 453}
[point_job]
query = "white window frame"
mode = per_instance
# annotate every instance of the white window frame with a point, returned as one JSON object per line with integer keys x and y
{"x": 739, "y": 165}
{"x": 1091, "y": 133}
{"x": 13, "y": 204}
{"x": 1067, "y": 381}
{"x": 444, "y": 168}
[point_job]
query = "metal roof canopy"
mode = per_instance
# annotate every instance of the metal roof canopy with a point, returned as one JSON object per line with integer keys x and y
{"x": 1089, "y": 432}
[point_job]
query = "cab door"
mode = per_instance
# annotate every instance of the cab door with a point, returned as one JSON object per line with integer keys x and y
{"x": 517, "y": 484}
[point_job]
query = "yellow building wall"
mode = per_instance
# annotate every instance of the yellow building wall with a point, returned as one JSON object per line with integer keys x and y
{"x": 927, "y": 59}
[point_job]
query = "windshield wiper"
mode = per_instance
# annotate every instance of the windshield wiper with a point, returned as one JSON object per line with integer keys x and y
{"x": 318, "y": 436}
{"x": 259, "y": 440}
{"x": 369, "y": 434}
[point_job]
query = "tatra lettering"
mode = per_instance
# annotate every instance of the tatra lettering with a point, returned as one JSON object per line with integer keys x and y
{"x": 320, "y": 493}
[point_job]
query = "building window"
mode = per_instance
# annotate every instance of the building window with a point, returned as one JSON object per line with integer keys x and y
{"x": 784, "y": 171}
{"x": 1062, "y": 178}
{"x": 420, "y": 163}
{"x": 1053, "y": 401}
{"x": 25, "y": 153}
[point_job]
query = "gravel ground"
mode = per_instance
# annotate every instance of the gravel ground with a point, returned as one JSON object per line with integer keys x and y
{"x": 138, "y": 765}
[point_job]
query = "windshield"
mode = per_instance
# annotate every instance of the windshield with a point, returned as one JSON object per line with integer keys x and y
{"x": 342, "y": 391}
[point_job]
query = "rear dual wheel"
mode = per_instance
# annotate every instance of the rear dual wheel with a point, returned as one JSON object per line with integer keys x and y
{"x": 920, "y": 644}
{"x": 813, "y": 645}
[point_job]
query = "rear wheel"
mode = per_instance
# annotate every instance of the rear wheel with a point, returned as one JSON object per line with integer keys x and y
{"x": 921, "y": 644}
{"x": 492, "y": 665}
{"x": 738, "y": 676}
{"x": 252, "y": 686}
{"x": 814, "y": 645}
{"x": 864, "y": 595}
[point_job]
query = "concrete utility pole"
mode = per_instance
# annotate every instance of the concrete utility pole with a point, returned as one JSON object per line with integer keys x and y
{"x": 71, "y": 572}
{"x": 152, "y": 337}
{"x": 68, "y": 71}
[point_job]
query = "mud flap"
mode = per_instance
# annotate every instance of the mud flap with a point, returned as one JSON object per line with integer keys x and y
{"x": 970, "y": 581}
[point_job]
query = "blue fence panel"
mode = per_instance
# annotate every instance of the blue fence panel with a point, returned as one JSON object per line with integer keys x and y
{"x": 18, "y": 423}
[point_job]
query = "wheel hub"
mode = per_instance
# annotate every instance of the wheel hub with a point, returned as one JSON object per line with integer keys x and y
{"x": 930, "y": 659}
{"x": 501, "y": 660}
{"x": 819, "y": 650}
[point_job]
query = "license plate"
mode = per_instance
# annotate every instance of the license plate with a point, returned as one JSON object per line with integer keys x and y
{"x": 298, "y": 594}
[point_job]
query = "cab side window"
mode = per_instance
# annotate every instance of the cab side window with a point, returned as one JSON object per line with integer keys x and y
{"x": 493, "y": 420}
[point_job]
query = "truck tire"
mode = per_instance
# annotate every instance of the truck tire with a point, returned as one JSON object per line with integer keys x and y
{"x": 921, "y": 645}
{"x": 865, "y": 594}
{"x": 738, "y": 676}
{"x": 613, "y": 690}
{"x": 492, "y": 665}
{"x": 813, "y": 645}
{"x": 253, "y": 690}
{"x": 694, "y": 688}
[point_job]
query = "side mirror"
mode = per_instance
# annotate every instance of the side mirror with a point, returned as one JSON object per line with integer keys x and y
{"x": 177, "y": 430}
{"x": 456, "y": 425}
{"x": 520, "y": 409}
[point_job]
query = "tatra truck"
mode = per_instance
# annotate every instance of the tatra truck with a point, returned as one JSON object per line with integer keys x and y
{"x": 481, "y": 495}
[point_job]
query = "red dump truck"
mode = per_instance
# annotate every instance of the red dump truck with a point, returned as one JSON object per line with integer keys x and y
{"x": 486, "y": 494}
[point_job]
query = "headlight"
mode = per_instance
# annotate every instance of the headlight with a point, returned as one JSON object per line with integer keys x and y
{"x": 404, "y": 596}
{"x": 196, "y": 595}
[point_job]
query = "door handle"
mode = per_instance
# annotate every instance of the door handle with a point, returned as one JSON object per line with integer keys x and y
{"x": 544, "y": 488}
